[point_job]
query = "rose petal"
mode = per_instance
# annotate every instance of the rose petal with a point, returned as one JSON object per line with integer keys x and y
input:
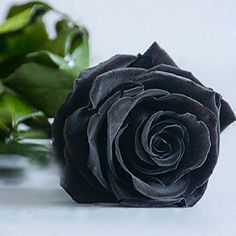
{"x": 165, "y": 161}
{"x": 156, "y": 191}
{"x": 177, "y": 84}
{"x": 227, "y": 116}
{"x": 80, "y": 97}
{"x": 124, "y": 189}
{"x": 105, "y": 83}
{"x": 115, "y": 62}
{"x": 202, "y": 174}
{"x": 177, "y": 147}
{"x": 118, "y": 112}
{"x": 197, "y": 150}
{"x": 183, "y": 104}
{"x": 176, "y": 71}
{"x": 192, "y": 199}
{"x": 75, "y": 136}
{"x": 152, "y": 168}
{"x": 155, "y": 55}
{"x": 97, "y": 126}
{"x": 79, "y": 189}
{"x": 152, "y": 190}
{"x": 58, "y": 125}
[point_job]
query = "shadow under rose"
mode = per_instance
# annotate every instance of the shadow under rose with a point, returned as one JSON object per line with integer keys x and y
{"x": 42, "y": 197}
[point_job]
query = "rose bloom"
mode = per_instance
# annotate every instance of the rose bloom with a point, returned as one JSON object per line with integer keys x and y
{"x": 139, "y": 131}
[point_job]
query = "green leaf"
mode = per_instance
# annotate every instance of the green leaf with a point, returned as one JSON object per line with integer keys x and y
{"x": 48, "y": 58}
{"x": 64, "y": 25}
{"x": 41, "y": 154}
{"x": 37, "y": 120}
{"x": 36, "y": 73}
{"x": 13, "y": 106}
{"x": 14, "y": 48}
{"x": 62, "y": 43}
{"x": 31, "y": 134}
{"x": 68, "y": 51}
{"x": 80, "y": 52}
{"x": 43, "y": 87}
{"x": 72, "y": 46}
{"x": 16, "y": 9}
{"x": 33, "y": 126}
{"x": 22, "y": 19}
{"x": 5, "y": 125}
{"x": 22, "y": 32}
{"x": 1, "y": 87}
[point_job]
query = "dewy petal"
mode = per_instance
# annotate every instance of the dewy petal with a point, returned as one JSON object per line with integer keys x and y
{"x": 105, "y": 83}
{"x": 155, "y": 55}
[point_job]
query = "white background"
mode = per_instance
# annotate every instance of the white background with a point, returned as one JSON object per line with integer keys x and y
{"x": 201, "y": 37}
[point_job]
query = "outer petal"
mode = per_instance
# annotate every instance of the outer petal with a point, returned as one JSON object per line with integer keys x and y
{"x": 79, "y": 189}
{"x": 194, "y": 197}
{"x": 80, "y": 97}
{"x": 96, "y": 135}
{"x": 118, "y": 61}
{"x": 76, "y": 144}
{"x": 155, "y": 55}
{"x": 104, "y": 84}
{"x": 227, "y": 116}
{"x": 181, "y": 85}
{"x": 176, "y": 71}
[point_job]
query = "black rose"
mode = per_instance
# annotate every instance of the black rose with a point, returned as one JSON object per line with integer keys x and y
{"x": 140, "y": 131}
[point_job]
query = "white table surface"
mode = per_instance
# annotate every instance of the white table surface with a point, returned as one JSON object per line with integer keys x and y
{"x": 201, "y": 37}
